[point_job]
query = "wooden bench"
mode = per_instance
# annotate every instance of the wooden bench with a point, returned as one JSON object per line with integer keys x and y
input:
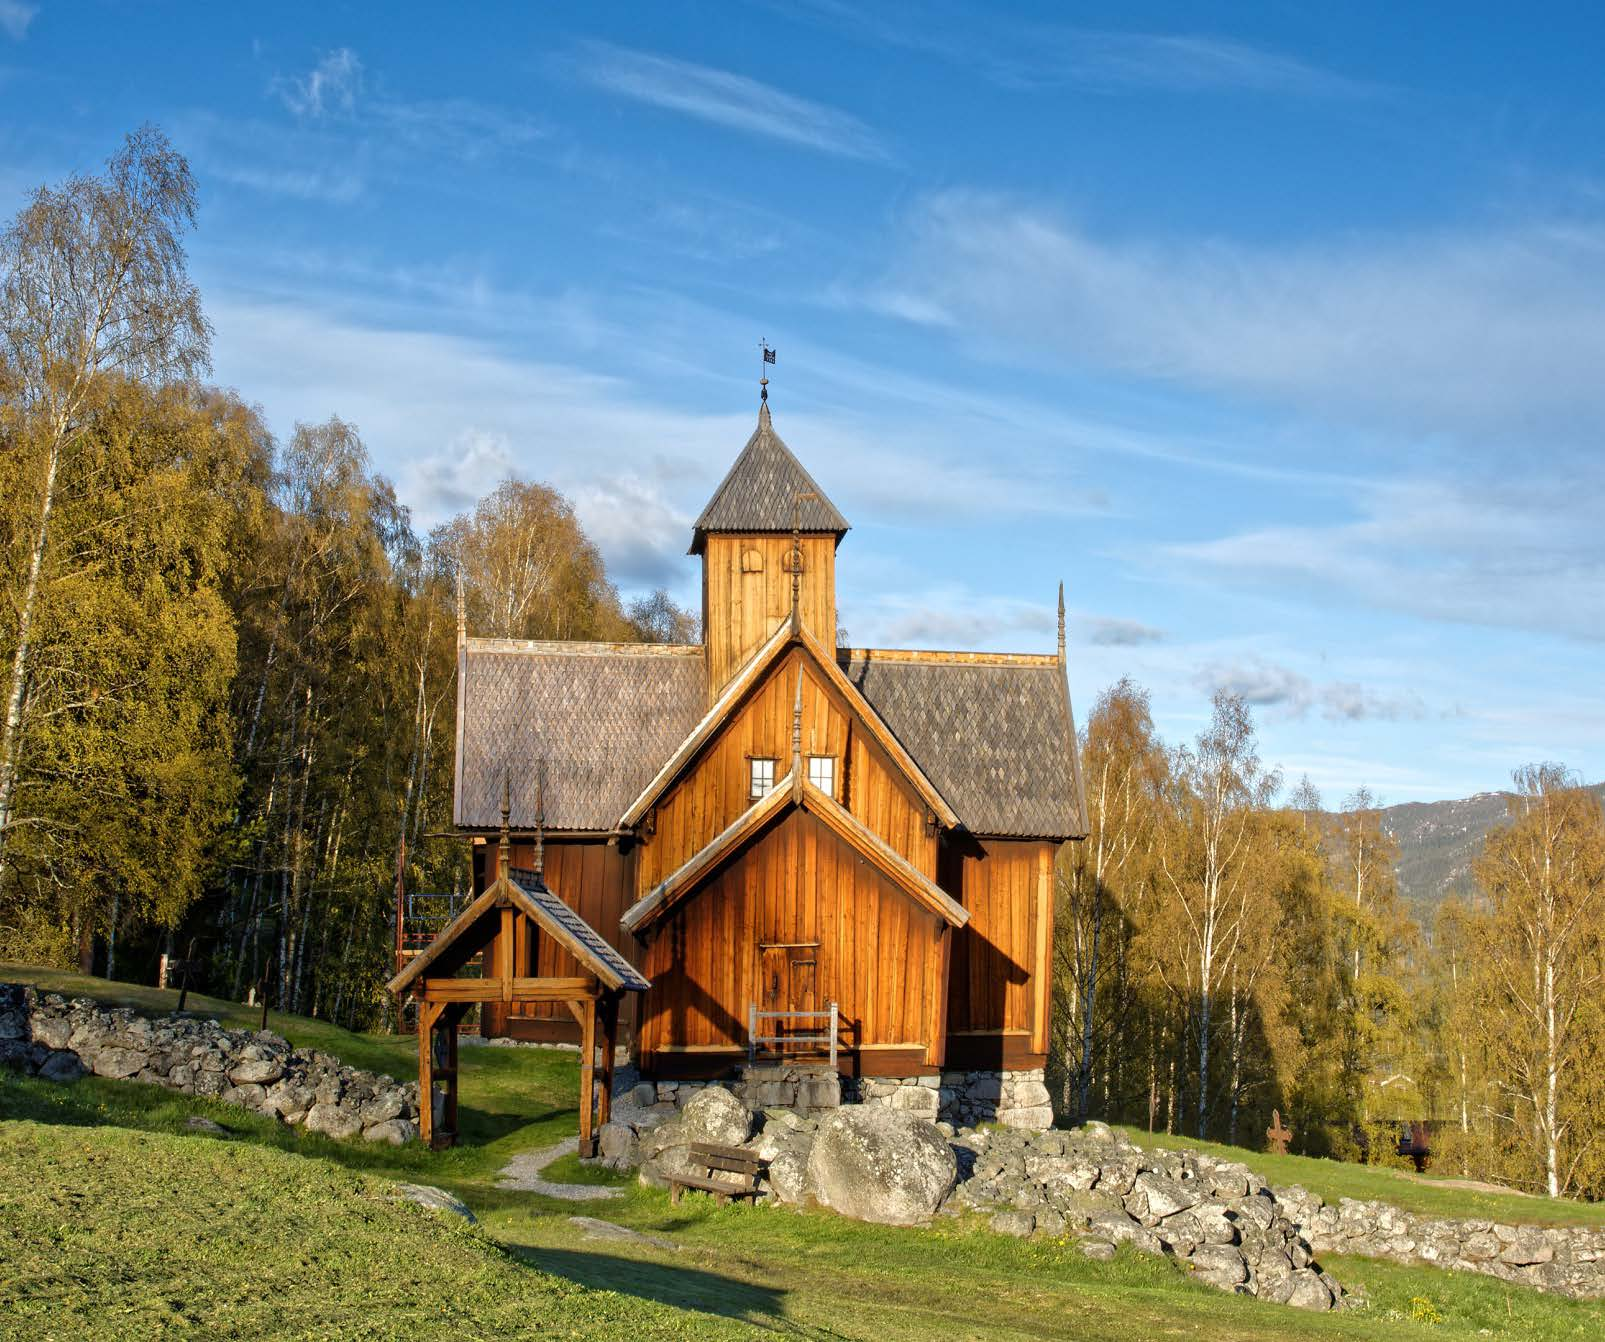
{"x": 745, "y": 1165}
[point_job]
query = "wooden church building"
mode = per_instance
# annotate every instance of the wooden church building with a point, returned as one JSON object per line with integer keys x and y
{"x": 781, "y": 834}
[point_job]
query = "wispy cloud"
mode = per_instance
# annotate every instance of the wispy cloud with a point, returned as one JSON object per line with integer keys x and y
{"x": 1183, "y": 63}
{"x": 1109, "y": 632}
{"x": 331, "y": 86}
{"x": 1473, "y": 330}
{"x": 1044, "y": 55}
{"x": 726, "y": 99}
{"x": 1263, "y": 684}
{"x": 1514, "y": 551}
{"x": 15, "y": 16}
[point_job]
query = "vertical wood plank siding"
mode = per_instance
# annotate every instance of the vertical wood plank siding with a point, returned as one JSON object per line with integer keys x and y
{"x": 715, "y": 791}
{"x": 998, "y": 980}
{"x": 741, "y": 610}
{"x": 794, "y": 885}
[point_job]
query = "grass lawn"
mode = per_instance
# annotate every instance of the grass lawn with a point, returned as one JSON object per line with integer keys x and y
{"x": 127, "y": 1219}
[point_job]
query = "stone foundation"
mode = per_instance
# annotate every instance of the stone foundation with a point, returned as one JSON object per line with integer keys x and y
{"x": 1016, "y": 1099}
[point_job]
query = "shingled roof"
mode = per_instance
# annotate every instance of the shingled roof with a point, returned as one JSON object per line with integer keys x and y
{"x": 603, "y": 959}
{"x": 993, "y": 733}
{"x": 601, "y": 717}
{"x": 760, "y": 493}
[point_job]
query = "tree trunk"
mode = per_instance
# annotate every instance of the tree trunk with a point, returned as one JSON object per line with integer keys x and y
{"x": 11, "y": 743}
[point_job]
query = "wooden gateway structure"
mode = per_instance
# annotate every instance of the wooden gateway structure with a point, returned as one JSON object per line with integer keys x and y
{"x": 517, "y": 913}
{"x": 768, "y": 825}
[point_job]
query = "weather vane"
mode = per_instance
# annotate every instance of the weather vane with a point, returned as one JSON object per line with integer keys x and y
{"x": 763, "y": 375}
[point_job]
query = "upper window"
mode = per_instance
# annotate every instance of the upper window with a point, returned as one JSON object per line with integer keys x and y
{"x": 822, "y": 773}
{"x": 761, "y": 778}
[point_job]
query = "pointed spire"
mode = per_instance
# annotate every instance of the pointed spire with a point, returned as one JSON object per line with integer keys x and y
{"x": 540, "y": 821}
{"x": 504, "y": 849}
{"x": 462, "y": 610}
{"x": 1061, "y": 621}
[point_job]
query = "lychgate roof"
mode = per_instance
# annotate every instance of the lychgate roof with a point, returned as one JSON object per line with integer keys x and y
{"x": 994, "y": 734}
{"x": 570, "y": 928}
{"x": 600, "y": 717}
{"x": 760, "y": 493}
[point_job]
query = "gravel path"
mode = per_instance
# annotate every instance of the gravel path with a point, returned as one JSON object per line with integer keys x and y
{"x": 523, "y": 1174}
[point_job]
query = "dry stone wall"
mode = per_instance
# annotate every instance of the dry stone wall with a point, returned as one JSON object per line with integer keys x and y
{"x": 61, "y": 1040}
{"x": 1566, "y": 1260}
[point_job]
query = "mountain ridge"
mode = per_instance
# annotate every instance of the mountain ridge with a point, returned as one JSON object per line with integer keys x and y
{"x": 1439, "y": 841}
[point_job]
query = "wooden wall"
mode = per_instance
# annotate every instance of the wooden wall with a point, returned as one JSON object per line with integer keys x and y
{"x": 1000, "y": 980}
{"x": 878, "y": 954}
{"x": 715, "y": 790}
{"x": 746, "y": 594}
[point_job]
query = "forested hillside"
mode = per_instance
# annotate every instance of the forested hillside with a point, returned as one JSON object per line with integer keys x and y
{"x": 228, "y": 660}
{"x": 1439, "y": 842}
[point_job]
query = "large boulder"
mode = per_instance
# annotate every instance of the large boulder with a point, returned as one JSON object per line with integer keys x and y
{"x": 713, "y": 1114}
{"x": 882, "y": 1165}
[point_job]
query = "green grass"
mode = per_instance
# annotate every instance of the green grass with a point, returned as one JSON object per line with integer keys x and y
{"x": 1428, "y": 1195}
{"x": 134, "y": 1212}
{"x": 114, "y": 1234}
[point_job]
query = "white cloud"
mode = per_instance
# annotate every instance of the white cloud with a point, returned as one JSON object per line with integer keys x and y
{"x": 724, "y": 98}
{"x": 1477, "y": 331}
{"x": 330, "y": 87}
{"x": 15, "y": 16}
{"x": 1521, "y": 550}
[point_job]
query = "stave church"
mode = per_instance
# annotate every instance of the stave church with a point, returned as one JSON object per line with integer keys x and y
{"x": 833, "y": 857}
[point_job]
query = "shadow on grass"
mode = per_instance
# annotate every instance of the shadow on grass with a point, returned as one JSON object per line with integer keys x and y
{"x": 668, "y": 1284}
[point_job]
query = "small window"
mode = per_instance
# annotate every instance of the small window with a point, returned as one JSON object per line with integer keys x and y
{"x": 762, "y": 778}
{"x": 822, "y": 773}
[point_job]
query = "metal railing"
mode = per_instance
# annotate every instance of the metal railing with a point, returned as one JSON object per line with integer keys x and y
{"x": 782, "y": 1040}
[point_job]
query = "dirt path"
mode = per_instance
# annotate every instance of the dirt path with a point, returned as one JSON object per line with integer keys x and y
{"x": 523, "y": 1174}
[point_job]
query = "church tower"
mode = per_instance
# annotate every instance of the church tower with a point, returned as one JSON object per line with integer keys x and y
{"x": 766, "y": 508}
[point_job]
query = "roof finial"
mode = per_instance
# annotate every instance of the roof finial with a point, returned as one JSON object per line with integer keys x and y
{"x": 504, "y": 849}
{"x": 462, "y": 609}
{"x": 1061, "y": 620}
{"x": 768, "y": 357}
{"x": 540, "y": 820}
{"x": 796, "y": 727}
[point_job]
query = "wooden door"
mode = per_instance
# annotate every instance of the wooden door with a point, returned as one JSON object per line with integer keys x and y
{"x": 787, "y": 981}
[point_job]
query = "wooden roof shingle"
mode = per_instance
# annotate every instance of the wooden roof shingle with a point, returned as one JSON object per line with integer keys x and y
{"x": 760, "y": 493}
{"x": 600, "y": 717}
{"x": 995, "y": 734}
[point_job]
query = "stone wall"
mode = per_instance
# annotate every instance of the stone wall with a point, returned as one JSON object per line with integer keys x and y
{"x": 61, "y": 1040}
{"x": 877, "y": 1162}
{"x": 1567, "y": 1260}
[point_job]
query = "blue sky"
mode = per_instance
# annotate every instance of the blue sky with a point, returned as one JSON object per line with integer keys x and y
{"x": 1276, "y": 331}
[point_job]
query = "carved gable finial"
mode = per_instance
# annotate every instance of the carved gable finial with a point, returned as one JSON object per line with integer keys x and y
{"x": 1061, "y": 621}
{"x": 504, "y": 848}
{"x": 540, "y": 820}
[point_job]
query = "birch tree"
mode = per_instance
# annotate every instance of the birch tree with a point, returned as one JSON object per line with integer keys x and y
{"x": 93, "y": 281}
{"x": 1220, "y": 784}
{"x": 1544, "y": 874}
